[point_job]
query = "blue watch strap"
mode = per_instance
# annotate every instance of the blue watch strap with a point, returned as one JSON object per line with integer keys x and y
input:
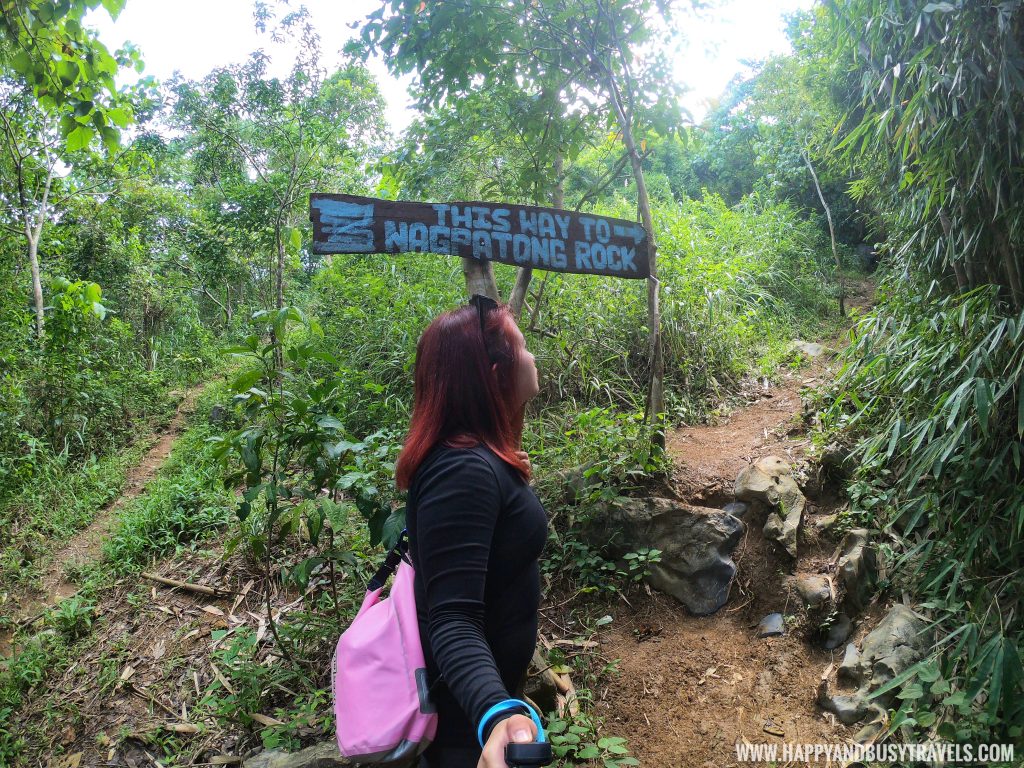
{"x": 506, "y": 706}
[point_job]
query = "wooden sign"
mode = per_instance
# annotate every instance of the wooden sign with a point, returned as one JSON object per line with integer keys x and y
{"x": 520, "y": 235}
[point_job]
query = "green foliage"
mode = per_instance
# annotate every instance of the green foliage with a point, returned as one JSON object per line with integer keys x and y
{"x": 500, "y": 74}
{"x": 56, "y": 500}
{"x": 82, "y": 392}
{"x": 28, "y": 667}
{"x": 576, "y": 740}
{"x": 184, "y": 504}
{"x": 73, "y": 617}
{"x": 932, "y": 98}
{"x": 292, "y": 446}
{"x": 930, "y": 395}
{"x": 259, "y": 145}
{"x": 88, "y": 374}
{"x": 46, "y": 43}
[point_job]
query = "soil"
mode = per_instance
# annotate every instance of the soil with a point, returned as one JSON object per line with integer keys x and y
{"x": 691, "y": 688}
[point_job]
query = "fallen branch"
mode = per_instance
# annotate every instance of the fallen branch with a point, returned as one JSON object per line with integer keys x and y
{"x": 197, "y": 588}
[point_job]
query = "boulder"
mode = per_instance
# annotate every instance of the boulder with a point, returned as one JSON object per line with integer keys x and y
{"x": 736, "y": 508}
{"x": 824, "y": 523}
{"x": 892, "y": 647}
{"x": 814, "y": 590}
{"x": 770, "y": 480}
{"x": 857, "y": 568}
{"x": 850, "y": 665}
{"x": 576, "y": 484}
{"x": 899, "y": 641}
{"x": 808, "y": 349}
{"x": 696, "y": 546}
{"x": 848, "y": 709}
{"x": 541, "y": 686}
{"x": 755, "y": 481}
{"x": 838, "y": 632}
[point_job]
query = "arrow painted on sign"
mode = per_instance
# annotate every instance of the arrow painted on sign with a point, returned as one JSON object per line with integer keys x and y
{"x": 636, "y": 232}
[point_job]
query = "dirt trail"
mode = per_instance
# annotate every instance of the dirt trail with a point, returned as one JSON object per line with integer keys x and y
{"x": 85, "y": 546}
{"x": 691, "y": 688}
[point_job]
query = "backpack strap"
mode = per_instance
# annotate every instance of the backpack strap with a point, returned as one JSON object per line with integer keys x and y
{"x": 397, "y": 554}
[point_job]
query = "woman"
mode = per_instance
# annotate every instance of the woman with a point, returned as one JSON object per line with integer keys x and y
{"x": 476, "y": 529}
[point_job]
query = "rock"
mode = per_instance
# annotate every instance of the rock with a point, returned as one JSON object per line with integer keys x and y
{"x": 322, "y": 755}
{"x": 898, "y": 642}
{"x": 824, "y": 523}
{"x": 813, "y": 590}
{"x": 736, "y": 508}
{"x": 867, "y": 256}
{"x": 696, "y": 545}
{"x": 576, "y": 484}
{"x": 772, "y": 625}
{"x": 218, "y": 415}
{"x": 848, "y": 709}
{"x": 784, "y": 529}
{"x": 770, "y": 480}
{"x": 870, "y": 732}
{"x": 838, "y": 632}
{"x": 837, "y": 460}
{"x": 857, "y": 568}
{"x": 774, "y": 465}
{"x": 850, "y": 665}
{"x": 808, "y": 348}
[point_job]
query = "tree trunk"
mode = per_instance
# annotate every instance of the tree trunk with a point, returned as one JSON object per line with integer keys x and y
{"x": 832, "y": 235}
{"x": 37, "y": 285}
{"x": 279, "y": 271}
{"x": 656, "y": 392}
{"x": 525, "y": 274}
{"x": 33, "y": 234}
{"x": 479, "y": 278}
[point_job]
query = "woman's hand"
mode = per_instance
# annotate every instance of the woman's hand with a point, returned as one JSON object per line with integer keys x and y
{"x": 525, "y": 457}
{"x": 518, "y": 728}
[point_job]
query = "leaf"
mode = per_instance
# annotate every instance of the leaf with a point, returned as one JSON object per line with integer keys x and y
{"x": 328, "y": 422}
{"x": 79, "y": 138}
{"x": 392, "y": 528}
{"x": 589, "y": 752}
{"x": 295, "y": 238}
{"x": 113, "y": 7}
{"x": 119, "y": 117}
{"x": 246, "y": 379}
{"x": 111, "y": 138}
{"x": 983, "y": 402}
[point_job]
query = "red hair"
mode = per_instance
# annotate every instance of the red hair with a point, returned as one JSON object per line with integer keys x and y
{"x": 458, "y": 399}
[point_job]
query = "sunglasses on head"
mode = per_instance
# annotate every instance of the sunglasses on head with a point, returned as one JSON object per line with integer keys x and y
{"x": 483, "y": 304}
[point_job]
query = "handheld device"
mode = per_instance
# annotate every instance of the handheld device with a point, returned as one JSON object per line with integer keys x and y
{"x": 528, "y": 754}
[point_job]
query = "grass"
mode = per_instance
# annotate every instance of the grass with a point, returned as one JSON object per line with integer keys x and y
{"x": 181, "y": 506}
{"x": 59, "y": 501}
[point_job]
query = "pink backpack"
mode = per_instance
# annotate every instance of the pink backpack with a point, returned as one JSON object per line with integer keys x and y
{"x": 381, "y": 697}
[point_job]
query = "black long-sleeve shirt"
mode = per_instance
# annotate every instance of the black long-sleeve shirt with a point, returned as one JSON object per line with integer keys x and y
{"x": 476, "y": 531}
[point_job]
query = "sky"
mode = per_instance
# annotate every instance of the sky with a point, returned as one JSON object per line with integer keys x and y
{"x": 195, "y": 36}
